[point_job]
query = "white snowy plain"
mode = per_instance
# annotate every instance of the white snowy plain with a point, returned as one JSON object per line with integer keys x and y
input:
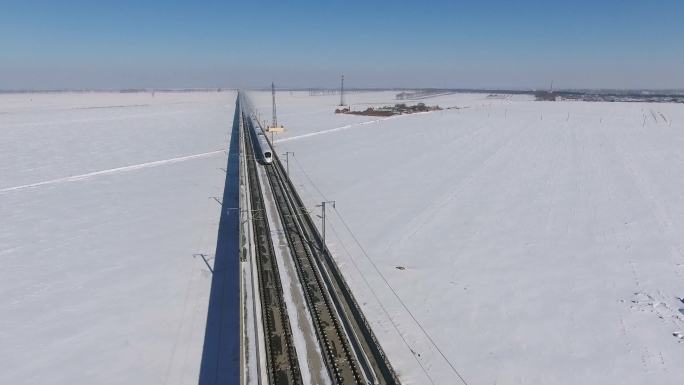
{"x": 533, "y": 242}
{"x": 541, "y": 243}
{"x": 104, "y": 200}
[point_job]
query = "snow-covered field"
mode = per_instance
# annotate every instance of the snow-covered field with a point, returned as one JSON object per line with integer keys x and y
{"x": 104, "y": 199}
{"x": 531, "y": 242}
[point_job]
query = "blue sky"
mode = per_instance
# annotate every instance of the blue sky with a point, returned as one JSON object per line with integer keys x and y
{"x": 484, "y": 44}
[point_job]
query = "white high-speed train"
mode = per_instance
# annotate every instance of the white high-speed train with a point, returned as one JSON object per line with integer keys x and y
{"x": 264, "y": 150}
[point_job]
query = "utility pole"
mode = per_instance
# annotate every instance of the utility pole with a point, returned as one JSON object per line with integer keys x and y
{"x": 322, "y": 206}
{"x": 287, "y": 161}
{"x": 342, "y": 92}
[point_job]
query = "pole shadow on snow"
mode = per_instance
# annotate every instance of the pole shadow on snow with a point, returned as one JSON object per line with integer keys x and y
{"x": 221, "y": 352}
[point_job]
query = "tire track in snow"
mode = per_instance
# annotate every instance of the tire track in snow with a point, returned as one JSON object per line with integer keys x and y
{"x": 411, "y": 228}
{"x": 348, "y": 126}
{"x": 89, "y": 175}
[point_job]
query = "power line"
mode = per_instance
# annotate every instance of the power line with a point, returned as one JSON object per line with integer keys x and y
{"x": 396, "y": 327}
{"x": 451, "y": 365}
{"x": 399, "y": 298}
{"x": 275, "y": 117}
{"x": 370, "y": 287}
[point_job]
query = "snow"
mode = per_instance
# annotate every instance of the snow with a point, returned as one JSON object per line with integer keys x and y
{"x": 104, "y": 199}
{"x": 533, "y": 242}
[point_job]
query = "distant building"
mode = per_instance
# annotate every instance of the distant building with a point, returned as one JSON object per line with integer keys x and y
{"x": 546, "y": 96}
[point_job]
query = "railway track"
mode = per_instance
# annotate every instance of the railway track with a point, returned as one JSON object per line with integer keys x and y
{"x": 282, "y": 363}
{"x": 350, "y": 350}
{"x": 338, "y": 354}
